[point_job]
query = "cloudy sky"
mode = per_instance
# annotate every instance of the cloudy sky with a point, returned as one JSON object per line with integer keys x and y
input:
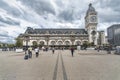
{"x": 17, "y": 15}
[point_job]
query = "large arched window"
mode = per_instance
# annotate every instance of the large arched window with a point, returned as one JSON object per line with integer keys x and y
{"x": 34, "y": 43}
{"x": 52, "y": 42}
{"x": 78, "y": 43}
{"x": 42, "y": 43}
{"x": 53, "y": 32}
{"x": 60, "y": 42}
{"x": 67, "y": 43}
{"x": 66, "y": 32}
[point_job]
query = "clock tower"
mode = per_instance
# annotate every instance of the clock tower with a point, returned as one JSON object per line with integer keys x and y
{"x": 91, "y": 24}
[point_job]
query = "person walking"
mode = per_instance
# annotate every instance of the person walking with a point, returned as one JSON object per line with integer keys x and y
{"x": 37, "y": 51}
{"x": 30, "y": 52}
{"x": 53, "y": 50}
{"x": 98, "y": 48}
{"x": 72, "y": 51}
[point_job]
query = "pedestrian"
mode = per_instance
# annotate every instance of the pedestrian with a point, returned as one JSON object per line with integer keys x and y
{"x": 30, "y": 52}
{"x": 26, "y": 54}
{"x": 37, "y": 51}
{"x": 72, "y": 51}
{"x": 98, "y": 48}
{"x": 78, "y": 48}
{"x": 53, "y": 50}
{"x": 109, "y": 49}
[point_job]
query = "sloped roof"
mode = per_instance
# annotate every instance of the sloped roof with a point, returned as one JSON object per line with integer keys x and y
{"x": 55, "y": 31}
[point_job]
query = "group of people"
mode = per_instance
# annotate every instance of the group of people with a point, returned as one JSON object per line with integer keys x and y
{"x": 28, "y": 53}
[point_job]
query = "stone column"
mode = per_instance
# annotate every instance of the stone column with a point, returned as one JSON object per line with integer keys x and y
{"x": 72, "y": 40}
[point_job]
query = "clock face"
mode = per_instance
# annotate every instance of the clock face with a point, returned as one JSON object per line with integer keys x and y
{"x": 93, "y": 19}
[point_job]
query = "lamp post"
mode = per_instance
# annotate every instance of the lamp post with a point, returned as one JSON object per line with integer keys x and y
{"x": 26, "y": 39}
{"x": 47, "y": 39}
{"x": 93, "y": 36}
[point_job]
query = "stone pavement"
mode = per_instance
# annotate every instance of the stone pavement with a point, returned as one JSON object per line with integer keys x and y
{"x": 85, "y": 65}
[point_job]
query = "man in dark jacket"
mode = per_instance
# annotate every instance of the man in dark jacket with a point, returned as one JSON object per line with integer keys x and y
{"x": 72, "y": 51}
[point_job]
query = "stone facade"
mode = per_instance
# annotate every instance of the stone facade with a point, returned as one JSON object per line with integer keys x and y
{"x": 56, "y": 37}
{"x": 65, "y": 37}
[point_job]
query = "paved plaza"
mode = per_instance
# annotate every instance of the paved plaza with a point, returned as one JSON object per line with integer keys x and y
{"x": 85, "y": 65}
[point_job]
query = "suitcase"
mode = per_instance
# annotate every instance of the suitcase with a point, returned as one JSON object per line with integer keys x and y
{"x": 26, "y": 57}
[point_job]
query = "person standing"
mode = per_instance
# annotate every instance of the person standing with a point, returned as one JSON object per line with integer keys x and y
{"x": 72, "y": 51}
{"x": 37, "y": 51}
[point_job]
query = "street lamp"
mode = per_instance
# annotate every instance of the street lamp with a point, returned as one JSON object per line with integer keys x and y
{"x": 26, "y": 39}
{"x": 93, "y": 36}
{"x": 47, "y": 40}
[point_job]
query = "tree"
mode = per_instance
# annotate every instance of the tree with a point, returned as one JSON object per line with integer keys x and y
{"x": 85, "y": 44}
{"x": 41, "y": 44}
{"x": 11, "y": 45}
{"x": 34, "y": 44}
{"x": 19, "y": 42}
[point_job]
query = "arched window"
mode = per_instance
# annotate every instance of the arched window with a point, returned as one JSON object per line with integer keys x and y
{"x": 67, "y": 43}
{"x": 34, "y": 43}
{"x": 52, "y": 42}
{"x": 77, "y": 33}
{"x": 66, "y": 32}
{"x": 78, "y": 43}
{"x": 60, "y": 42}
{"x": 53, "y": 32}
{"x": 42, "y": 43}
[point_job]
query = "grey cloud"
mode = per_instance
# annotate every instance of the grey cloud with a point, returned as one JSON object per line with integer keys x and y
{"x": 4, "y": 37}
{"x": 10, "y": 10}
{"x": 114, "y": 4}
{"x": 66, "y": 15}
{"x": 70, "y": 15}
{"x": 9, "y": 21}
{"x": 39, "y": 6}
{"x": 3, "y": 33}
{"x": 59, "y": 3}
{"x": 114, "y": 15}
{"x": 8, "y": 39}
{"x": 2, "y": 25}
{"x": 110, "y": 18}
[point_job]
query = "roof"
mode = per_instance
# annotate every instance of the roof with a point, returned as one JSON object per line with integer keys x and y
{"x": 55, "y": 31}
{"x": 91, "y": 9}
{"x": 113, "y": 27}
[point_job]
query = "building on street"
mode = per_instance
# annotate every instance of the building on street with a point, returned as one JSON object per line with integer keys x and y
{"x": 114, "y": 34}
{"x": 66, "y": 37}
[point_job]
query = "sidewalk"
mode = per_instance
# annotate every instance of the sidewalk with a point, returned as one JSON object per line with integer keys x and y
{"x": 60, "y": 66}
{"x": 92, "y": 67}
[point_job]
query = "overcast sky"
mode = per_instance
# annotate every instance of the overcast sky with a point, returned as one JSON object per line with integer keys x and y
{"x": 17, "y": 15}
